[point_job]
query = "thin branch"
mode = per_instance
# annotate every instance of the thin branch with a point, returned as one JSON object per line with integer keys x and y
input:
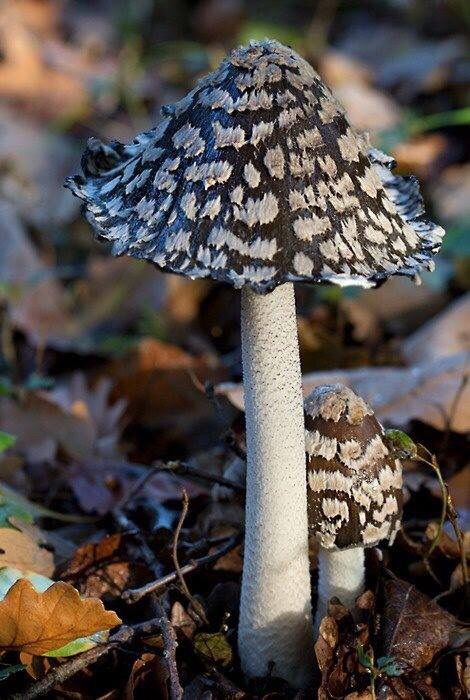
{"x": 167, "y": 631}
{"x": 178, "y": 469}
{"x": 124, "y": 636}
{"x": 132, "y": 595}
{"x": 197, "y": 607}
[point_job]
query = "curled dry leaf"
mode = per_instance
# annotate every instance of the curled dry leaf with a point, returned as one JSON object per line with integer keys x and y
{"x": 414, "y": 628}
{"x": 105, "y": 568}
{"x": 38, "y": 623}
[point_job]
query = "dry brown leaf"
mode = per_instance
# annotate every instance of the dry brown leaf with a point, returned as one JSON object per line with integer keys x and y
{"x": 41, "y": 425}
{"x": 75, "y": 418}
{"x": 148, "y": 677}
{"x": 20, "y": 549}
{"x": 414, "y": 628}
{"x": 160, "y": 382}
{"x": 105, "y": 568}
{"x": 41, "y": 622}
{"x": 446, "y": 334}
{"x": 181, "y": 621}
{"x": 424, "y": 392}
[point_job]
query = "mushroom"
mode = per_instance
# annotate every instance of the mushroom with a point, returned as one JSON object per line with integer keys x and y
{"x": 354, "y": 489}
{"x": 256, "y": 179}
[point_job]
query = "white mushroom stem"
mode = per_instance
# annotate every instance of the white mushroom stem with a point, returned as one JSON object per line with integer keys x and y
{"x": 275, "y": 609}
{"x": 341, "y": 575}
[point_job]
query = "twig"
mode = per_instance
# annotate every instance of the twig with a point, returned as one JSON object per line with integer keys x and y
{"x": 179, "y": 469}
{"x": 132, "y": 595}
{"x": 59, "y": 674}
{"x": 448, "y": 511}
{"x": 453, "y": 519}
{"x": 167, "y": 631}
{"x": 197, "y": 607}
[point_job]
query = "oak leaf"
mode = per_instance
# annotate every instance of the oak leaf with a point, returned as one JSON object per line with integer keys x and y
{"x": 41, "y": 622}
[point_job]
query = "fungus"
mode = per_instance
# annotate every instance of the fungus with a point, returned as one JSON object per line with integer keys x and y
{"x": 354, "y": 489}
{"x": 256, "y": 179}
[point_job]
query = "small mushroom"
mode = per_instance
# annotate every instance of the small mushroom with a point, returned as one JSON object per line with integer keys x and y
{"x": 354, "y": 488}
{"x": 256, "y": 178}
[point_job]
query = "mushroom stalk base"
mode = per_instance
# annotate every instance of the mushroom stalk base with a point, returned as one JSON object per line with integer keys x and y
{"x": 341, "y": 574}
{"x": 275, "y": 607}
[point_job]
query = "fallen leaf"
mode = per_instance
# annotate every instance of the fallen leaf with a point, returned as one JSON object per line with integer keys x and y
{"x": 214, "y": 647}
{"x": 148, "y": 677}
{"x": 41, "y": 426}
{"x": 38, "y": 623}
{"x": 157, "y": 380}
{"x": 105, "y": 568}
{"x": 424, "y": 392}
{"x": 413, "y": 628}
{"x": 181, "y": 621}
{"x": 93, "y": 405}
{"x": 446, "y": 334}
{"x": 21, "y": 549}
{"x": 80, "y": 420}
{"x": 9, "y": 576}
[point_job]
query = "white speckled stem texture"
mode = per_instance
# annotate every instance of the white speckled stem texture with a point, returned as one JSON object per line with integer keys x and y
{"x": 275, "y": 609}
{"x": 340, "y": 575}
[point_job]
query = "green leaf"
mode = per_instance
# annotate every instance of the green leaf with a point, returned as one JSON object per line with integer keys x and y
{"x": 364, "y": 658}
{"x": 7, "y": 671}
{"x": 400, "y": 444}
{"x": 11, "y": 509}
{"x": 214, "y": 647}
{"x": 13, "y": 504}
{"x": 9, "y": 575}
{"x": 6, "y": 441}
{"x": 388, "y": 666}
{"x": 77, "y": 646}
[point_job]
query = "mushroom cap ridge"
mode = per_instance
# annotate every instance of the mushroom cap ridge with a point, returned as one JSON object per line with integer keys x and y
{"x": 354, "y": 484}
{"x": 256, "y": 178}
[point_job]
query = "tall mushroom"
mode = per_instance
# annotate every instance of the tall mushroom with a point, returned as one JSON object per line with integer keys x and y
{"x": 256, "y": 179}
{"x": 354, "y": 489}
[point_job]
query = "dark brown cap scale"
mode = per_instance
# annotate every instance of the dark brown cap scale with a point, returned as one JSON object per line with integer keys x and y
{"x": 257, "y": 178}
{"x": 354, "y": 483}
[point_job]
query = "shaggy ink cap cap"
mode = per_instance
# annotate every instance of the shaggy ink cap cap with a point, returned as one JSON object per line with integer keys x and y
{"x": 354, "y": 485}
{"x": 257, "y": 178}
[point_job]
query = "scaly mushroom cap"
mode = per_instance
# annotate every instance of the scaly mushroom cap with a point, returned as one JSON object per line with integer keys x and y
{"x": 354, "y": 484}
{"x": 257, "y": 178}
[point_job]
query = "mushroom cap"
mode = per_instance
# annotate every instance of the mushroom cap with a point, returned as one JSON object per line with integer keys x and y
{"x": 354, "y": 485}
{"x": 257, "y": 178}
